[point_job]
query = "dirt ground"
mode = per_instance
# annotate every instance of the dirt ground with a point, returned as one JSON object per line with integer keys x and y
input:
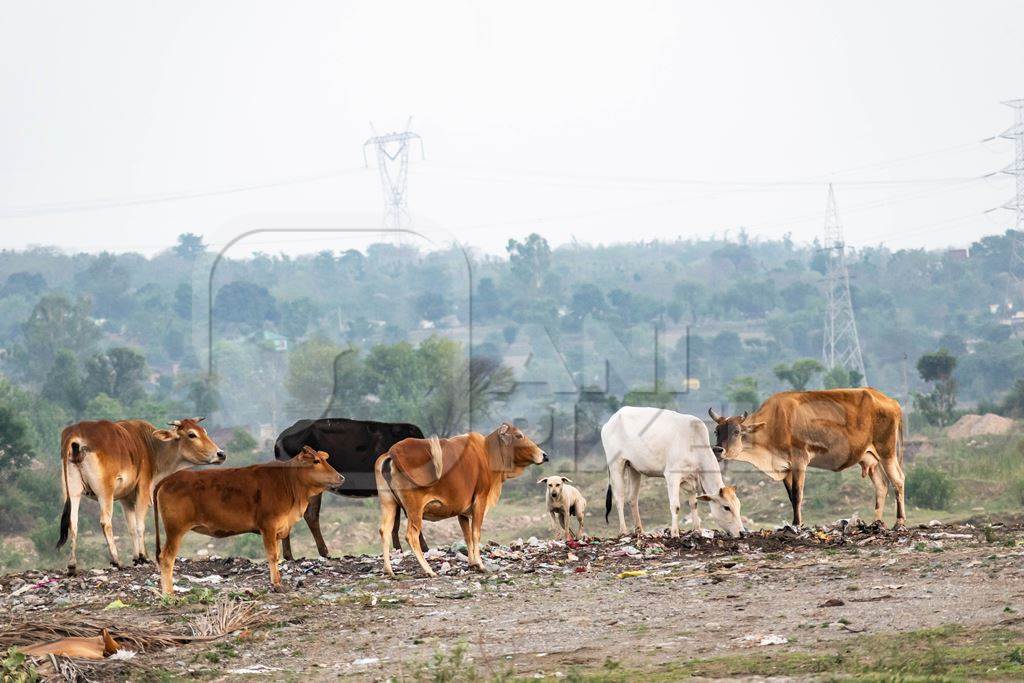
{"x": 788, "y": 603}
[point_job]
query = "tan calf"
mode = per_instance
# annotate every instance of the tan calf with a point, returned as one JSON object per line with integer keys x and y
{"x": 123, "y": 461}
{"x": 264, "y": 499}
{"x": 441, "y": 478}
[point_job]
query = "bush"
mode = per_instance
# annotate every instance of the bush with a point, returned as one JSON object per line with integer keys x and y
{"x": 1017, "y": 490}
{"x": 929, "y": 488}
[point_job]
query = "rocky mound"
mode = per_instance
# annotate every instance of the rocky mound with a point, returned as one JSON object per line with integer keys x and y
{"x": 979, "y": 425}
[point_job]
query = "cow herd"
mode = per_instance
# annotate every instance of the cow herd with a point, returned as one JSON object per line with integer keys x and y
{"x": 461, "y": 476}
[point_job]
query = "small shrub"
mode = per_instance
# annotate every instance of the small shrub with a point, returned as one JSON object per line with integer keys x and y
{"x": 1017, "y": 490}
{"x": 929, "y": 488}
{"x": 16, "y": 668}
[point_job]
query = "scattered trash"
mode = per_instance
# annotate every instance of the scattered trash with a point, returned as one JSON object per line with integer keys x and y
{"x": 632, "y": 574}
{"x": 116, "y": 604}
{"x": 212, "y": 578}
{"x": 366, "y": 661}
{"x": 254, "y": 669}
{"x": 773, "y": 639}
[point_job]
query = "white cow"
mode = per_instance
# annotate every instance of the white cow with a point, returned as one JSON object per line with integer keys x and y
{"x": 663, "y": 443}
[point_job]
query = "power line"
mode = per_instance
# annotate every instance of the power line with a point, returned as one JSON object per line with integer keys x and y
{"x": 115, "y": 203}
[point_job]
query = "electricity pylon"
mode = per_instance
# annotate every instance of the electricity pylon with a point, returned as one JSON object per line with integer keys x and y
{"x": 841, "y": 345}
{"x": 1016, "y": 168}
{"x": 393, "y": 163}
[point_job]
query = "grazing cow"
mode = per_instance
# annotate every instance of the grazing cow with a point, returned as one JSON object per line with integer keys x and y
{"x": 564, "y": 502}
{"x": 662, "y": 443}
{"x": 122, "y": 461}
{"x": 265, "y": 499}
{"x": 831, "y": 430}
{"x": 441, "y": 478}
{"x": 353, "y": 447}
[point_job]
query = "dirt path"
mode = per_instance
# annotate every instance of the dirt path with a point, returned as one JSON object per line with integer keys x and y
{"x": 555, "y": 610}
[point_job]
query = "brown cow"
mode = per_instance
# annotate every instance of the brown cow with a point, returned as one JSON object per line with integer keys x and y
{"x": 441, "y": 478}
{"x": 110, "y": 461}
{"x": 831, "y": 430}
{"x": 265, "y": 499}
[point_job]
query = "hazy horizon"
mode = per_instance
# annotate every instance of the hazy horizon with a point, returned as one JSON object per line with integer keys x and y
{"x": 602, "y": 123}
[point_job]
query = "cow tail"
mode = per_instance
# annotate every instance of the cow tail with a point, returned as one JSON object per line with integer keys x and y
{"x": 607, "y": 502}
{"x": 156, "y": 518}
{"x": 436, "y": 456}
{"x": 901, "y": 435}
{"x": 65, "y": 516}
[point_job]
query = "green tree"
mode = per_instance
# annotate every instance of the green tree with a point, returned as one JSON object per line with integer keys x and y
{"x": 529, "y": 260}
{"x": 297, "y": 316}
{"x": 241, "y": 441}
{"x": 742, "y": 392}
{"x": 15, "y": 446}
{"x": 800, "y": 373}
{"x": 939, "y": 406}
{"x": 488, "y": 301}
{"x": 64, "y": 384}
{"x": 103, "y": 407}
{"x": 189, "y": 246}
{"x": 841, "y": 378}
{"x": 119, "y": 373}
{"x": 587, "y": 299}
{"x": 55, "y": 324}
{"x": 323, "y": 376}
{"x": 244, "y": 302}
{"x": 202, "y": 392}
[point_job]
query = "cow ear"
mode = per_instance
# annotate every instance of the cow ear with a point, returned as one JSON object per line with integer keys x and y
{"x": 165, "y": 435}
{"x": 751, "y": 428}
{"x": 704, "y": 498}
{"x": 505, "y": 434}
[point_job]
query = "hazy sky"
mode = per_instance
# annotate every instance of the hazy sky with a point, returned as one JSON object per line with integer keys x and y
{"x": 594, "y": 121}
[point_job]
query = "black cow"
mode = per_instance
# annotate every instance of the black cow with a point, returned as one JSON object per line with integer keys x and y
{"x": 354, "y": 446}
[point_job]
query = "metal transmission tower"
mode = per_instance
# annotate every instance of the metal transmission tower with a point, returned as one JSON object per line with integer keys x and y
{"x": 1016, "y": 133}
{"x": 393, "y": 163}
{"x": 841, "y": 345}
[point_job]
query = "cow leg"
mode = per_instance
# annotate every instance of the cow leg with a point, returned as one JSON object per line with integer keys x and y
{"x": 107, "y": 524}
{"x": 167, "y": 555}
{"x": 412, "y": 536}
{"x": 881, "y": 485}
{"x": 797, "y": 495}
{"x": 673, "y": 480}
{"x": 143, "y": 501}
{"x": 286, "y": 546}
{"x": 128, "y": 508}
{"x": 477, "y": 520}
{"x": 395, "y": 528}
{"x": 617, "y": 480}
{"x": 467, "y": 534}
{"x": 76, "y": 499}
{"x": 894, "y": 471}
{"x": 389, "y": 518}
{"x": 312, "y": 516}
{"x": 423, "y": 542}
{"x": 694, "y": 513}
{"x": 270, "y": 546}
{"x": 633, "y": 492}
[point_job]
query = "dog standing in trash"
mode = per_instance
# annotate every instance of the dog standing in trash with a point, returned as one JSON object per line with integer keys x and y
{"x": 564, "y": 501}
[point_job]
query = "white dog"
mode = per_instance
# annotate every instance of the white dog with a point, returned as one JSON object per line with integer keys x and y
{"x": 564, "y": 501}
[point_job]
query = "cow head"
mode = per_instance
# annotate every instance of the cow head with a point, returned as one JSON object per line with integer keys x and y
{"x": 730, "y": 433}
{"x": 725, "y": 509}
{"x": 514, "y": 450}
{"x": 194, "y": 445}
{"x": 555, "y": 484}
{"x": 317, "y": 472}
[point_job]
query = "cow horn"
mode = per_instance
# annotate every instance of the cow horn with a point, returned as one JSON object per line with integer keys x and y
{"x": 198, "y": 419}
{"x": 175, "y": 423}
{"x": 744, "y": 418}
{"x": 714, "y": 416}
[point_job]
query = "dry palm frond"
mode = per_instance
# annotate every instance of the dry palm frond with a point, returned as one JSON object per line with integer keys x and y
{"x": 220, "y": 619}
{"x": 224, "y": 617}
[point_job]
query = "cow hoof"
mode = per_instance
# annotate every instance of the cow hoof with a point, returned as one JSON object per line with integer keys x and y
{"x": 900, "y": 526}
{"x": 115, "y": 565}
{"x": 72, "y": 570}
{"x": 141, "y": 560}
{"x": 278, "y": 588}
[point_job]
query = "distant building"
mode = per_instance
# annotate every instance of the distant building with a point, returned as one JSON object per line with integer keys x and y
{"x": 958, "y": 254}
